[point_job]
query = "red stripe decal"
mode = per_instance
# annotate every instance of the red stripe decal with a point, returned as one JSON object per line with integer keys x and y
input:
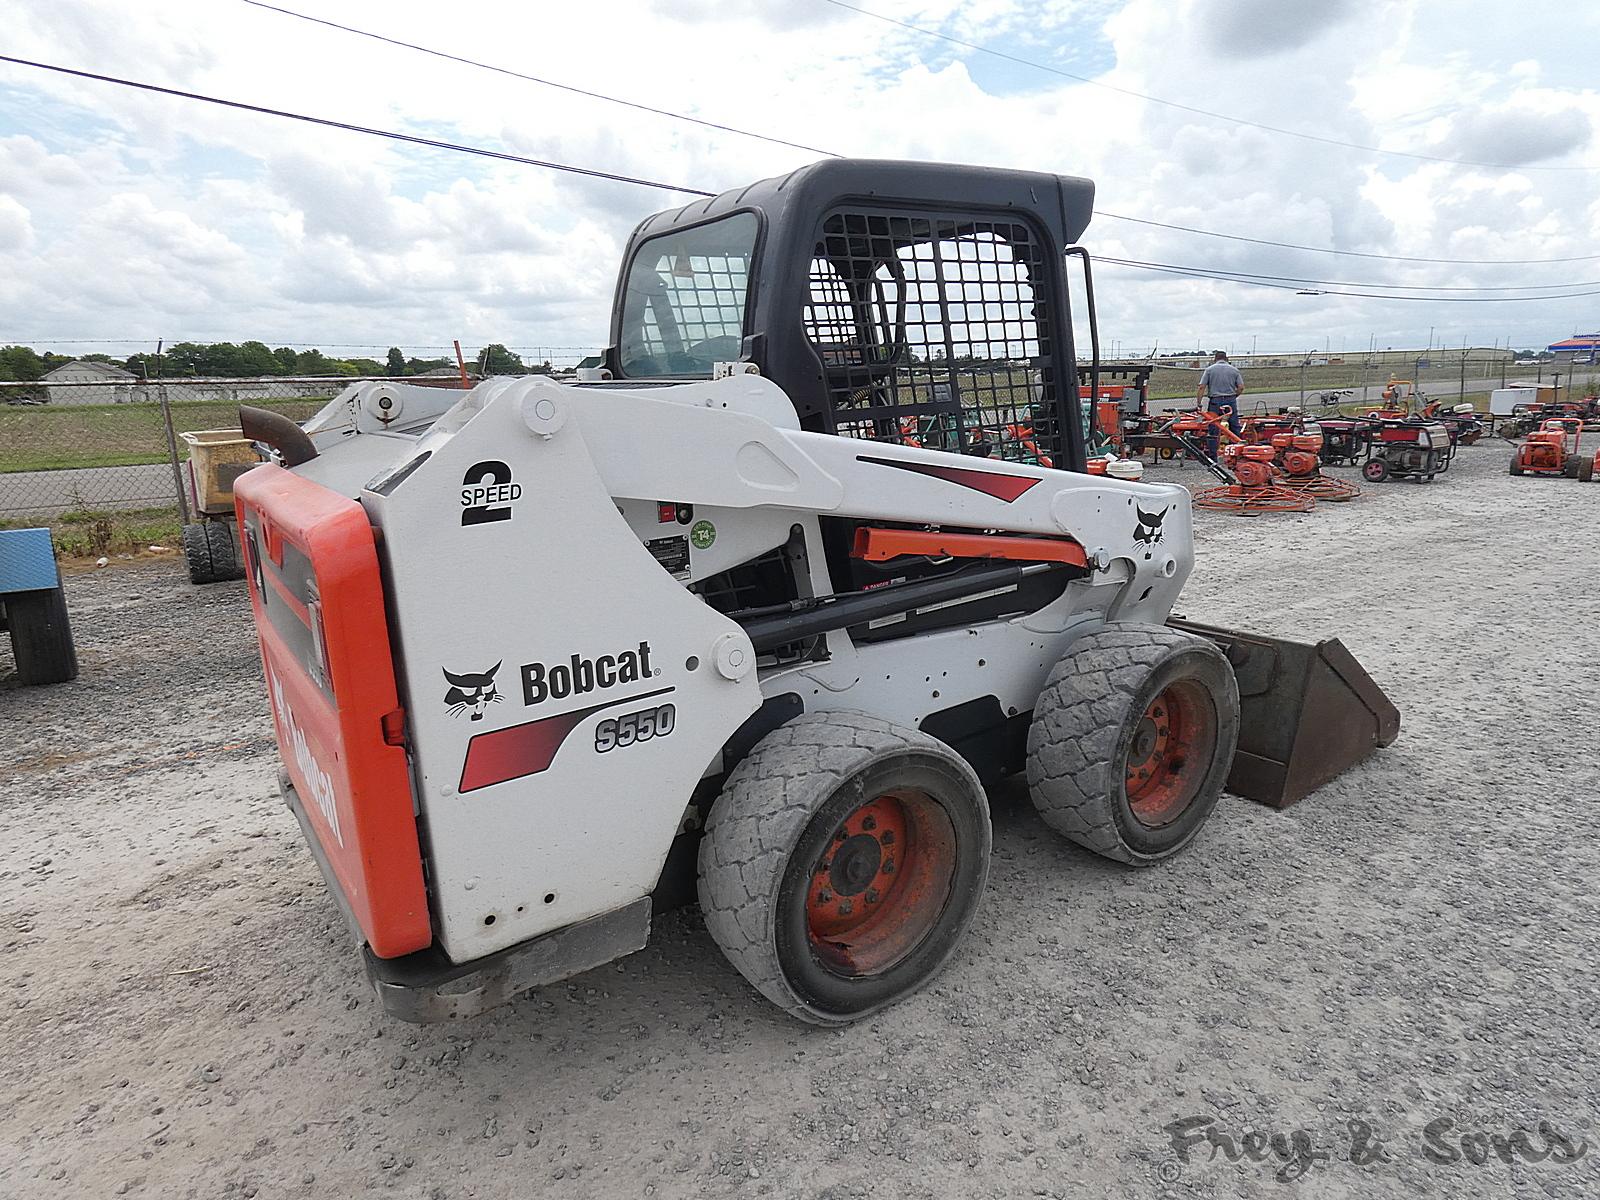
{"x": 1001, "y": 487}
{"x": 521, "y": 750}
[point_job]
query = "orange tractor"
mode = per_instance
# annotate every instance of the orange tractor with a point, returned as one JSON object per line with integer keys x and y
{"x": 1554, "y": 449}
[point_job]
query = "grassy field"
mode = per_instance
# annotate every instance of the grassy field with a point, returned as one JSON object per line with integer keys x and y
{"x": 122, "y": 531}
{"x": 52, "y": 437}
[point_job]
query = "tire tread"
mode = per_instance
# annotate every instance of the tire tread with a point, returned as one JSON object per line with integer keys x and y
{"x": 1073, "y": 737}
{"x": 763, "y": 810}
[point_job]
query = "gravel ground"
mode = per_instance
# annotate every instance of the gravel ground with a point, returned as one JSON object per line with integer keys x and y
{"x": 1414, "y": 944}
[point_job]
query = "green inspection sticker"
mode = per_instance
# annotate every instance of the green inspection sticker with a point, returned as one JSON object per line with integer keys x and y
{"x": 702, "y": 534}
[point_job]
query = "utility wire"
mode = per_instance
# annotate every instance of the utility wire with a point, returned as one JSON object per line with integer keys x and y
{"x": 1294, "y": 287}
{"x": 550, "y": 83}
{"x": 392, "y": 135}
{"x": 1188, "y": 108}
{"x": 1394, "y": 287}
{"x": 481, "y": 152}
{"x": 1460, "y": 262}
{"x": 838, "y": 154}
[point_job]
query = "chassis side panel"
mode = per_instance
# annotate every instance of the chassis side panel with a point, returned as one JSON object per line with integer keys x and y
{"x": 313, "y": 575}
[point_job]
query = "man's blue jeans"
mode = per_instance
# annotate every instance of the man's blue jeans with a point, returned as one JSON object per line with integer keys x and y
{"x": 1221, "y": 405}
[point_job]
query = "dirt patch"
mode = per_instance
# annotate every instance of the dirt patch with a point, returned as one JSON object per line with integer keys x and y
{"x": 185, "y": 1015}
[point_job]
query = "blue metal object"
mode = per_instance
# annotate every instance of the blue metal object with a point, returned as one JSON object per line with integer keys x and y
{"x": 27, "y": 561}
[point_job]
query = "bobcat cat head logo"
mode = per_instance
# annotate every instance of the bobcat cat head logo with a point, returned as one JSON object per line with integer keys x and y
{"x": 471, "y": 692}
{"x": 1148, "y": 531}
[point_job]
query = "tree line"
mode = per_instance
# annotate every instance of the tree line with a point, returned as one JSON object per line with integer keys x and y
{"x": 223, "y": 360}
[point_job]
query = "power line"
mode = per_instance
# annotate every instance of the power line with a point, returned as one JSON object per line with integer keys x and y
{"x": 1194, "y": 273}
{"x": 838, "y": 154}
{"x": 1396, "y": 287}
{"x": 1460, "y": 262}
{"x": 328, "y": 122}
{"x": 551, "y": 83}
{"x": 505, "y": 157}
{"x": 1188, "y": 108}
{"x": 479, "y": 151}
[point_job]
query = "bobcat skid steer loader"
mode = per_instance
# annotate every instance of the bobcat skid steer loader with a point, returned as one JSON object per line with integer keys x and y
{"x": 753, "y": 611}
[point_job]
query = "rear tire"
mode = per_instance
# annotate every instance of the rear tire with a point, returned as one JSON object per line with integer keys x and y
{"x": 224, "y": 556}
{"x": 1585, "y": 470}
{"x": 41, "y": 636}
{"x": 843, "y": 863}
{"x": 1375, "y": 470}
{"x": 197, "y": 552}
{"x": 1132, "y": 740}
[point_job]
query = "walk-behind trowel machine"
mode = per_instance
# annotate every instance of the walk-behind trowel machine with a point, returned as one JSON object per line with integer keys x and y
{"x": 541, "y": 655}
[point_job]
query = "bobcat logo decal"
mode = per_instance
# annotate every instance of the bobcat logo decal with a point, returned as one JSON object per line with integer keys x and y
{"x": 471, "y": 692}
{"x": 1148, "y": 530}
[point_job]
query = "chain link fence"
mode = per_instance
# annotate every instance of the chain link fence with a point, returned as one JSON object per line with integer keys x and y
{"x": 1461, "y": 374}
{"x": 103, "y": 463}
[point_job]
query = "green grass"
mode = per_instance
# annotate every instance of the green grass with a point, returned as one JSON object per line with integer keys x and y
{"x": 55, "y": 437}
{"x": 90, "y": 534}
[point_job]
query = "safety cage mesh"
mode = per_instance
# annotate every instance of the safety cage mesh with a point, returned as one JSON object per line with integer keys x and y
{"x": 933, "y": 332}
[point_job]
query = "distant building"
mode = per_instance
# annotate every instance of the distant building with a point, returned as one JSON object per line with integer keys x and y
{"x": 1579, "y": 348}
{"x": 108, "y": 383}
{"x": 81, "y": 382}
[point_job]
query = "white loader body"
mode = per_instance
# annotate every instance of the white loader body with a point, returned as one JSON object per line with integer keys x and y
{"x": 574, "y": 572}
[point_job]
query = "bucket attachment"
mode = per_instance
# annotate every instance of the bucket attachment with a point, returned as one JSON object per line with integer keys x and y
{"x": 1308, "y": 713}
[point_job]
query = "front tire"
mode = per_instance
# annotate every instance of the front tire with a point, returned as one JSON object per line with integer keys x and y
{"x": 1132, "y": 740}
{"x": 1375, "y": 470}
{"x": 843, "y": 863}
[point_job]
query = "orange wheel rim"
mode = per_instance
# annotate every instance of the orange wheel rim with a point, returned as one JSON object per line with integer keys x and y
{"x": 881, "y": 883}
{"x": 1169, "y": 754}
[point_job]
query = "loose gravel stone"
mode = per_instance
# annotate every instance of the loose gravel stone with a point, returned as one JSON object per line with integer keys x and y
{"x": 1409, "y": 952}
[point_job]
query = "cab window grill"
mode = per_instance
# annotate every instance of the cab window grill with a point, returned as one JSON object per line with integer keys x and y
{"x": 932, "y": 333}
{"x": 683, "y": 306}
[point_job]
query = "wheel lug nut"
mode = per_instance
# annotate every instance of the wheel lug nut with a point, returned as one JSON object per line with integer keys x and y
{"x": 888, "y": 837}
{"x": 824, "y": 896}
{"x": 869, "y": 822}
{"x": 845, "y": 908}
{"x": 872, "y": 895}
{"x": 888, "y": 866}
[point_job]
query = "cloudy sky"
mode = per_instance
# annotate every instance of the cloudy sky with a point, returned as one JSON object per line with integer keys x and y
{"x": 126, "y": 216}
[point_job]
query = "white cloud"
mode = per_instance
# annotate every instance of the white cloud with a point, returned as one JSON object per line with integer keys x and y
{"x": 149, "y": 215}
{"x": 1255, "y": 28}
{"x": 1517, "y": 134}
{"x": 16, "y": 226}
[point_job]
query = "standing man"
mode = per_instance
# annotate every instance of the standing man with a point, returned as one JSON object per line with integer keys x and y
{"x": 1222, "y": 382}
